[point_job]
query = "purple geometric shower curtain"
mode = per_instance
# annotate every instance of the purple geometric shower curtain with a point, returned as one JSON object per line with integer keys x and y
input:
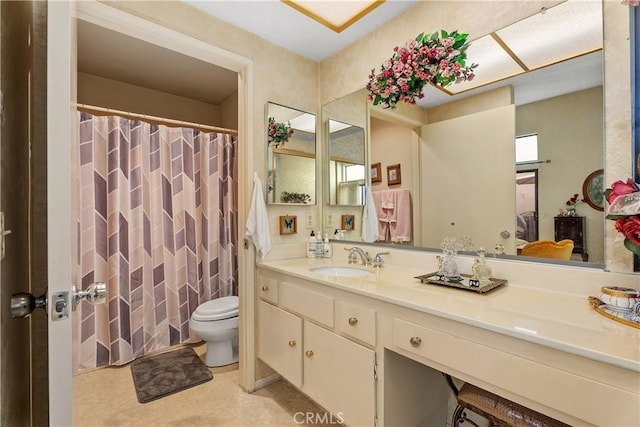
{"x": 157, "y": 221}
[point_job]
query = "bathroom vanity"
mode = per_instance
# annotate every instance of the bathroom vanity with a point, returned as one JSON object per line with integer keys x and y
{"x": 371, "y": 349}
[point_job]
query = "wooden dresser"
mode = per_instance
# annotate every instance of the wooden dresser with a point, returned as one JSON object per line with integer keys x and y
{"x": 572, "y": 228}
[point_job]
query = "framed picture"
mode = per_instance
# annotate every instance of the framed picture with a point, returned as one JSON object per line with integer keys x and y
{"x": 593, "y": 190}
{"x": 288, "y": 224}
{"x": 348, "y": 222}
{"x": 376, "y": 173}
{"x": 393, "y": 175}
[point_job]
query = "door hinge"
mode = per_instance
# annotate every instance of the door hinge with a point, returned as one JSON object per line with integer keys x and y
{"x": 375, "y": 422}
{"x": 375, "y": 371}
{"x": 3, "y": 233}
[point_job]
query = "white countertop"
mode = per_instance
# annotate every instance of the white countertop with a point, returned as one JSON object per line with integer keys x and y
{"x": 561, "y": 321}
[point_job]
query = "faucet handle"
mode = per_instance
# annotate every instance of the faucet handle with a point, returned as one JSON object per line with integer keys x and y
{"x": 377, "y": 260}
{"x": 353, "y": 259}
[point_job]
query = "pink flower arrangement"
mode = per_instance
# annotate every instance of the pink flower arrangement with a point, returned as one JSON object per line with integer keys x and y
{"x": 437, "y": 58}
{"x": 278, "y": 133}
{"x": 624, "y": 209}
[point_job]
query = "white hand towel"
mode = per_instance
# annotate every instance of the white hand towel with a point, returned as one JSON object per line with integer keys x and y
{"x": 258, "y": 221}
{"x": 369, "y": 218}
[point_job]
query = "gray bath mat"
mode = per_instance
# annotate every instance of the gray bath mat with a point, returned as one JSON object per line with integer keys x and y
{"x": 167, "y": 373}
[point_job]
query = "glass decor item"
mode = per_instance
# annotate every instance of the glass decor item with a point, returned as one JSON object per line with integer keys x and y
{"x": 449, "y": 269}
{"x": 483, "y": 271}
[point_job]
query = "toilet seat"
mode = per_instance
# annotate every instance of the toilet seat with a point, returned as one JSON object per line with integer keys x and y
{"x": 217, "y": 309}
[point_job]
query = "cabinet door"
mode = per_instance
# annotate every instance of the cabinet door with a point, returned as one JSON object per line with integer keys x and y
{"x": 338, "y": 374}
{"x": 280, "y": 341}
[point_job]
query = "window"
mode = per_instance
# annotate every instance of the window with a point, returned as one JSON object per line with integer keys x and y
{"x": 354, "y": 172}
{"x": 527, "y": 148}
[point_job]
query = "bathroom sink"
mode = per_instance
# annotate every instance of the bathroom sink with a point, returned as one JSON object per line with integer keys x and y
{"x": 340, "y": 271}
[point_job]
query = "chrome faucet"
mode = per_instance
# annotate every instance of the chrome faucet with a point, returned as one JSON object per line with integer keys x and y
{"x": 377, "y": 260}
{"x": 364, "y": 256}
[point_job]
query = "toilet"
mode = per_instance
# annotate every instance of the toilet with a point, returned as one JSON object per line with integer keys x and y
{"x": 216, "y": 322}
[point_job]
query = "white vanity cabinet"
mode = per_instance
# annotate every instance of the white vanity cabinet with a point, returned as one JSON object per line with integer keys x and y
{"x": 298, "y": 340}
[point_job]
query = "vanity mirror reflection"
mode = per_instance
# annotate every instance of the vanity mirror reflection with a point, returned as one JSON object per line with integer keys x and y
{"x": 459, "y": 149}
{"x": 345, "y": 123}
{"x": 346, "y": 163}
{"x": 291, "y": 156}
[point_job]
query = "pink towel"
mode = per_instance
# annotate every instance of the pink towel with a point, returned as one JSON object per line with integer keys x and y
{"x": 393, "y": 208}
{"x": 401, "y": 229}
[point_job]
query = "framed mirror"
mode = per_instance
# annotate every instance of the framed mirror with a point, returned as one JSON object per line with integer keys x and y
{"x": 569, "y": 125}
{"x": 346, "y": 154}
{"x": 291, "y": 156}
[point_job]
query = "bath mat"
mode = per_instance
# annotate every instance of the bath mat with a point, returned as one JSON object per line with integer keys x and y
{"x": 167, "y": 373}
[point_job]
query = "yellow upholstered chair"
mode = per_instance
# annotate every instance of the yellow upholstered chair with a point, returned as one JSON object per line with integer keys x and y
{"x": 549, "y": 249}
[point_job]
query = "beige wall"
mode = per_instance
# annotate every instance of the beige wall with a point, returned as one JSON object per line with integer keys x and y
{"x": 570, "y": 134}
{"x": 102, "y": 92}
{"x": 229, "y": 112}
{"x": 393, "y": 144}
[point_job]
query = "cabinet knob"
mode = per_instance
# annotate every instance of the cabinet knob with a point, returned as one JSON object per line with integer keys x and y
{"x": 309, "y": 354}
{"x": 415, "y": 341}
{"x": 353, "y": 321}
{"x": 265, "y": 288}
{"x": 292, "y": 343}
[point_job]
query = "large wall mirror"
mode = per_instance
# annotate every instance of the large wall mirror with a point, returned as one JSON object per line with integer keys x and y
{"x": 472, "y": 174}
{"x": 291, "y": 156}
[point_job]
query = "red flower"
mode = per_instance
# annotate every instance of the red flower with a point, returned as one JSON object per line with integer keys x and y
{"x": 620, "y": 188}
{"x": 627, "y": 224}
{"x": 630, "y": 227}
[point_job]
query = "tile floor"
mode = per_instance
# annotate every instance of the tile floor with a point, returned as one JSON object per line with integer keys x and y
{"x": 106, "y": 397}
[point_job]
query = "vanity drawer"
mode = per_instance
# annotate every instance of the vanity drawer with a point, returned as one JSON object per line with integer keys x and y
{"x": 310, "y": 304}
{"x": 410, "y": 337}
{"x": 268, "y": 288}
{"x": 356, "y": 321}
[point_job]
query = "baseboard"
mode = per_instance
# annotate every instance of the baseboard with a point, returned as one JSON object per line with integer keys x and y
{"x": 263, "y": 382}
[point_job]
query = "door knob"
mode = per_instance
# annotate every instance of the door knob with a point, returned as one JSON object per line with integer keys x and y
{"x": 23, "y": 304}
{"x": 96, "y": 293}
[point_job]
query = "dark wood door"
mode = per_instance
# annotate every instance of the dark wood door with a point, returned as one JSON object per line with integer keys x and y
{"x": 23, "y": 358}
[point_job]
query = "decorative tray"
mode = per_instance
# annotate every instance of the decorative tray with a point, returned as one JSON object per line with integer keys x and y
{"x": 619, "y": 316}
{"x": 465, "y": 282}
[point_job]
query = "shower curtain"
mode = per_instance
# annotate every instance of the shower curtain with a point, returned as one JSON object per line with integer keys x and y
{"x": 156, "y": 215}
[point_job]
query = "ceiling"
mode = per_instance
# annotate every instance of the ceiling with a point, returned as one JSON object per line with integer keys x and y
{"x": 112, "y": 55}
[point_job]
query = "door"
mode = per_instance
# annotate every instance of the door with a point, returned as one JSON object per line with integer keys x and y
{"x": 280, "y": 341}
{"x": 526, "y": 206}
{"x": 462, "y": 170}
{"x": 23, "y": 358}
{"x": 339, "y": 375}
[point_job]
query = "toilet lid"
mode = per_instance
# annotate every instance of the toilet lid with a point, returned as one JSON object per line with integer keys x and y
{"x": 217, "y": 309}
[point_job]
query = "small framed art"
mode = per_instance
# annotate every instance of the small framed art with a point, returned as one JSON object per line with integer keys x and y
{"x": 288, "y": 225}
{"x": 393, "y": 175}
{"x": 376, "y": 172}
{"x": 348, "y": 222}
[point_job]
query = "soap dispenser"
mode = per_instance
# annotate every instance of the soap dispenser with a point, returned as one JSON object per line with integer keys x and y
{"x": 327, "y": 250}
{"x": 319, "y": 244}
{"x": 311, "y": 245}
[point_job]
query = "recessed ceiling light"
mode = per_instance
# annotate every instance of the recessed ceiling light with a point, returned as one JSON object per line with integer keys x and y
{"x": 337, "y": 14}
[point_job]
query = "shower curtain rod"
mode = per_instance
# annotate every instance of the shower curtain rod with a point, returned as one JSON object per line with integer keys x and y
{"x": 157, "y": 120}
